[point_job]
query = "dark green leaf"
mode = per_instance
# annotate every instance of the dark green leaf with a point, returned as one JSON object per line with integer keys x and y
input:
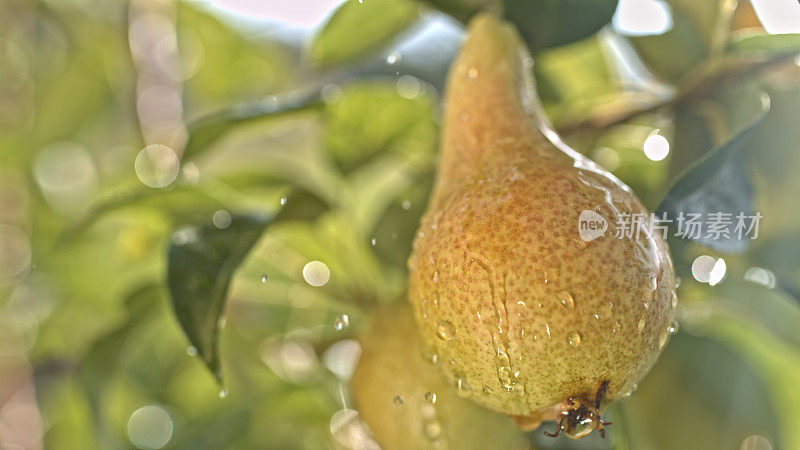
{"x": 201, "y": 262}
{"x": 549, "y": 23}
{"x": 718, "y": 182}
{"x": 301, "y": 205}
{"x": 357, "y": 28}
{"x": 206, "y": 130}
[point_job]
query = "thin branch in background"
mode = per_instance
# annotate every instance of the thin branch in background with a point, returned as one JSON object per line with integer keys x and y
{"x": 705, "y": 81}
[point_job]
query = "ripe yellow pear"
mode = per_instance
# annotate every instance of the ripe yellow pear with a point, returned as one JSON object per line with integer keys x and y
{"x": 522, "y": 295}
{"x": 405, "y": 401}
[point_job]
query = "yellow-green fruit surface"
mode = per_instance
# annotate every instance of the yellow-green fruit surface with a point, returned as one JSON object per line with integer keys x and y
{"x": 407, "y": 404}
{"x": 509, "y": 296}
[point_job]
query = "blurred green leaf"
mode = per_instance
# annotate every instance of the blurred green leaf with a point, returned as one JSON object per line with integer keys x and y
{"x": 371, "y": 118}
{"x": 685, "y": 390}
{"x": 224, "y": 64}
{"x": 301, "y": 205}
{"x": 176, "y": 200}
{"x": 205, "y": 131}
{"x": 717, "y": 183}
{"x": 776, "y": 181}
{"x": 577, "y": 78}
{"x": 781, "y": 255}
{"x": 765, "y": 44}
{"x": 700, "y": 31}
{"x": 397, "y": 227}
{"x": 771, "y": 308}
{"x": 550, "y": 23}
{"x": 97, "y": 366}
{"x": 359, "y": 27}
{"x": 777, "y": 362}
{"x": 201, "y": 262}
{"x": 357, "y": 276}
{"x": 215, "y": 431}
{"x": 462, "y": 10}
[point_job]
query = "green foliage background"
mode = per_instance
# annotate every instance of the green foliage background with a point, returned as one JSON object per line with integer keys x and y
{"x": 333, "y": 151}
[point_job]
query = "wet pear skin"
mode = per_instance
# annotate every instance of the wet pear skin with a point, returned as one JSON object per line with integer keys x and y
{"x": 507, "y": 296}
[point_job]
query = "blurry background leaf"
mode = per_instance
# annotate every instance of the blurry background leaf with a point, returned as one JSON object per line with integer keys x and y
{"x": 462, "y": 10}
{"x": 357, "y": 28}
{"x": 765, "y": 43}
{"x": 776, "y": 181}
{"x": 98, "y": 365}
{"x": 699, "y": 31}
{"x": 377, "y": 117}
{"x": 550, "y": 23}
{"x": 772, "y": 349}
{"x": 300, "y": 205}
{"x": 718, "y": 183}
{"x": 224, "y": 66}
{"x": 201, "y": 262}
{"x": 685, "y": 391}
{"x": 206, "y": 130}
{"x": 576, "y": 79}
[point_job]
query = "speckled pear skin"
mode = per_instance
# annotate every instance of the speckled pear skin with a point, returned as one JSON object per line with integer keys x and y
{"x": 392, "y": 366}
{"x": 508, "y": 298}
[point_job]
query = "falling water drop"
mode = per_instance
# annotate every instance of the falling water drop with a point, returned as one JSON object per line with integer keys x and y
{"x": 223, "y": 393}
{"x": 191, "y": 350}
{"x": 393, "y": 58}
{"x": 341, "y": 322}
{"x": 435, "y": 277}
{"x": 283, "y": 200}
{"x": 264, "y": 278}
{"x": 463, "y": 388}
